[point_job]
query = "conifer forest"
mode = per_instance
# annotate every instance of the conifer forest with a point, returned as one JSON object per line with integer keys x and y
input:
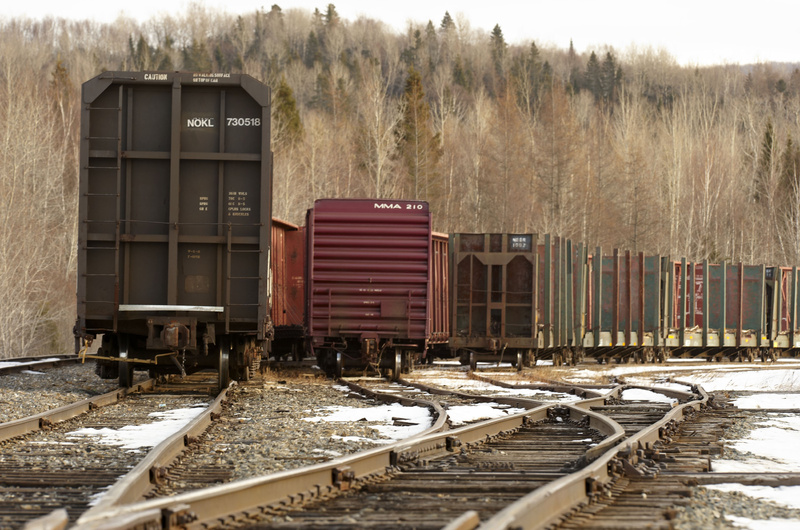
{"x": 616, "y": 148}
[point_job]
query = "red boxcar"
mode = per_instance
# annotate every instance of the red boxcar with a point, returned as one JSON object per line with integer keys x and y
{"x": 370, "y": 270}
{"x": 288, "y": 289}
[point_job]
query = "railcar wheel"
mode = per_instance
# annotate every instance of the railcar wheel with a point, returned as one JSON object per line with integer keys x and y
{"x": 125, "y": 368}
{"x": 338, "y": 367}
{"x": 224, "y": 363}
{"x": 473, "y": 361}
{"x": 520, "y": 360}
{"x": 397, "y": 364}
{"x": 296, "y": 352}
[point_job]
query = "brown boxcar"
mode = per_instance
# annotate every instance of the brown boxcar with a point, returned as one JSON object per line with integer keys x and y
{"x": 370, "y": 267}
{"x": 288, "y": 289}
{"x": 175, "y": 209}
{"x": 493, "y": 300}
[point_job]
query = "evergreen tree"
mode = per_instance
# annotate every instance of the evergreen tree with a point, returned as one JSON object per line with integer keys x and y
{"x": 592, "y": 77}
{"x": 331, "y": 17}
{"x": 527, "y": 74}
{"x": 140, "y": 53}
{"x": 419, "y": 146}
{"x": 144, "y": 57}
{"x": 765, "y": 164}
{"x": 610, "y": 79}
{"x": 410, "y": 55}
{"x": 313, "y": 52}
{"x": 499, "y": 46}
{"x": 196, "y": 57}
{"x": 447, "y": 22}
{"x": 287, "y": 127}
{"x": 462, "y": 76}
{"x": 574, "y": 69}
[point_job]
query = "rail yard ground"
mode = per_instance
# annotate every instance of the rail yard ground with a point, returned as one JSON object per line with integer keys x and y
{"x": 328, "y": 419}
{"x": 765, "y": 444}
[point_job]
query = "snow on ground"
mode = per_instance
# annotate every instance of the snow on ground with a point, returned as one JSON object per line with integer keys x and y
{"x": 463, "y": 414}
{"x": 767, "y": 401}
{"x": 459, "y": 382}
{"x": 640, "y": 394}
{"x": 134, "y": 437}
{"x": 7, "y": 364}
{"x": 743, "y": 379}
{"x": 707, "y": 374}
{"x": 767, "y": 444}
{"x": 770, "y": 524}
{"x": 419, "y": 419}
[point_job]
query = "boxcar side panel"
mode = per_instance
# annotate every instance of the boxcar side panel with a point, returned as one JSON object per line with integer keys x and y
{"x": 369, "y": 270}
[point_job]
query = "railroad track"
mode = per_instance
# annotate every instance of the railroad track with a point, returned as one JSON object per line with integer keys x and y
{"x": 648, "y": 497}
{"x": 522, "y": 451}
{"x": 577, "y": 468}
{"x": 486, "y": 475}
{"x": 449, "y": 400}
{"x": 198, "y": 468}
{"x": 58, "y": 459}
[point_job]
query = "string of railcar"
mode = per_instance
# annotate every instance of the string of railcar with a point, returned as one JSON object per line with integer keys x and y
{"x": 182, "y": 267}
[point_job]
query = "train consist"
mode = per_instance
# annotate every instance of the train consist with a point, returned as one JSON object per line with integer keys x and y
{"x": 523, "y": 297}
{"x": 555, "y": 300}
{"x": 182, "y": 267}
{"x": 174, "y": 223}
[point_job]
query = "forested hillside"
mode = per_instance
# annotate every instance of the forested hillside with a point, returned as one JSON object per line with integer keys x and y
{"x": 614, "y": 148}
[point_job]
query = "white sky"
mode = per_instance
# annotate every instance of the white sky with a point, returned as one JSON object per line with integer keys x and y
{"x": 692, "y": 31}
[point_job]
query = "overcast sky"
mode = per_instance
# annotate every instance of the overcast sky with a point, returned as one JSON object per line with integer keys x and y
{"x": 693, "y": 31}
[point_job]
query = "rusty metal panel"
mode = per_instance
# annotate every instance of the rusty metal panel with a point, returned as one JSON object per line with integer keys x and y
{"x": 288, "y": 274}
{"x": 368, "y": 269}
{"x": 175, "y": 199}
{"x": 495, "y": 279}
{"x": 440, "y": 288}
{"x": 733, "y": 297}
{"x": 786, "y": 320}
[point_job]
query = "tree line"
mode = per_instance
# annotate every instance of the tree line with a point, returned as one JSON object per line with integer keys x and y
{"x": 622, "y": 149}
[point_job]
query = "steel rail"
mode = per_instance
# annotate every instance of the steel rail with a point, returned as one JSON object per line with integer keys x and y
{"x": 590, "y": 395}
{"x": 139, "y": 481}
{"x": 217, "y": 504}
{"x": 503, "y": 400}
{"x": 546, "y": 505}
{"x": 22, "y": 426}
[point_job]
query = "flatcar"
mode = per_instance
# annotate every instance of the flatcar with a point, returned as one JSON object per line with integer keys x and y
{"x": 174, "y": 232}
{"x": 618, "y": 306}
{"x": 375, "y": 284}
